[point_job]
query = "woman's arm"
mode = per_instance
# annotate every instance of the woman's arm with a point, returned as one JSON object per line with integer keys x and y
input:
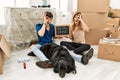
{"x": 84, "y": 26}
{"x": 70, "y": 32}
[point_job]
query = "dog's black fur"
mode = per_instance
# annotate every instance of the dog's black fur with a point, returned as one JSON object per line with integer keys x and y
{"x": 60, "y": 58}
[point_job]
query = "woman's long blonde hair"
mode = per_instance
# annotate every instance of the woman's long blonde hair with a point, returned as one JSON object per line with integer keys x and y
{"x": 73, "y": 24}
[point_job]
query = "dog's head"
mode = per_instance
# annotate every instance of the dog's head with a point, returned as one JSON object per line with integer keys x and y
{"x": 62, "y": 68}
{"x": 65, "y": 67}
{"x": 63, "y": 62}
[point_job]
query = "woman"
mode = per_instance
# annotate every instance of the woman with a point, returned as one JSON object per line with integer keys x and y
{"x": 77, "y": 35}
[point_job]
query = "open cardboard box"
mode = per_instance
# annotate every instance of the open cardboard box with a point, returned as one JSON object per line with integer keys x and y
{"x": 116, "y": 34}
{"x": 4, "y": 50}
{"x": 109, "y": 51}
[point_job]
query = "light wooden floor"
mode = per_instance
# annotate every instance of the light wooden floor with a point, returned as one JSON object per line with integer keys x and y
{"x": 97, "y": 69}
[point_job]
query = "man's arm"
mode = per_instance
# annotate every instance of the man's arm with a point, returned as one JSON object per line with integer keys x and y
{"x": 41, "y": 32}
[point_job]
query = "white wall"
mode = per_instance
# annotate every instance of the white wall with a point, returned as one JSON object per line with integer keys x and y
{"x": 4, "y": 3}
{"x": 74, "y": 5}
{"x": 115, "y": 4}
{"x": 39, "y": 2}
{"x": 70, "y": 5}
{"x": 20, "y": 3}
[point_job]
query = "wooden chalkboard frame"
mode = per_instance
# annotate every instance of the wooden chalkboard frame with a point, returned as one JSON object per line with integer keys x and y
{"x": 58, "y": 34}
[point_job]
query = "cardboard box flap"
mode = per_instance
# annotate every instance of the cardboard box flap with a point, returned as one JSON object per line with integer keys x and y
{"x": 1, "y": 61}
{"x": 4, "y": 46}
{"x": 116, "y": 34}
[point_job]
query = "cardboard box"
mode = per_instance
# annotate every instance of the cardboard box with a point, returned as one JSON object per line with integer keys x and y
{"x": 111, "y": 27}
{"x": 116, "y": 12}
{"x": 116, "y": 34}
{"x": 109, "y": 51}
{"x": 114, "y": 21}
{"x": 4, "y": 49}
{"x": 93, "y": 5}
{"x": 95, "y": 20}
{"x": 94, "y": 35}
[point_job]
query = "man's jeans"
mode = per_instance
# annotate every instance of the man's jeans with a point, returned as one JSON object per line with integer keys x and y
{"x": 36, "y": 50}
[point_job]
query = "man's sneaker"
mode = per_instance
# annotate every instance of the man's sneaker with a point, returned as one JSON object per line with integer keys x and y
{"x": 31, "y": 54}
{"x": 44, "y": 64}
{"x": 86, "y": 57}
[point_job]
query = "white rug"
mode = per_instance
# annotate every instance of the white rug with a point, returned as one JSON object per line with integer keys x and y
{"x": 97, "y": 69}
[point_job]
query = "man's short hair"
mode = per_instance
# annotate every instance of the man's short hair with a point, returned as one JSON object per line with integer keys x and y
{"x": 49, "y": 14}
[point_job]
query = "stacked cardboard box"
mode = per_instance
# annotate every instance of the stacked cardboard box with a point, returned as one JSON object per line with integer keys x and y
{"x": 95, "y": 19}
{"x": 112, "y": 24}
{"x": 94, "y": 35}
{"x": 95, "y": 14}
{"x": 116, "y": 12}
{"x": 4, "y": 49}
{"x": 116, "y": 34}
{"x": 115, "y": 20}
{"x": 93, "y": 5}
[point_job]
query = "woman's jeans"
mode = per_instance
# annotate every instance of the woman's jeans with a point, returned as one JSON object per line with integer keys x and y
{"x": 78, "y": 48}
{"x": 76, "y": 57}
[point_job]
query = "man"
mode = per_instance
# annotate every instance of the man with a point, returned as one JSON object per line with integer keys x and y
{"x": 45, "y": 33}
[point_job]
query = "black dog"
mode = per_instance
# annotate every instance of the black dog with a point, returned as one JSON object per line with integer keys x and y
{"x": 60, "y": 58}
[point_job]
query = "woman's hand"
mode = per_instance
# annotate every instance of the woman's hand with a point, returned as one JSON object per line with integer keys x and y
{"x": 80, "y": 17}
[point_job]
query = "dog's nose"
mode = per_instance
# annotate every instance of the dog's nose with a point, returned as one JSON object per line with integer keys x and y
{"x": 74, "y": 72}
{"x": 62, "y": 75}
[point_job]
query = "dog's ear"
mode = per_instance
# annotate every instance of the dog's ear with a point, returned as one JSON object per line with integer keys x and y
{"x": 55, "y": 69}
{"x": 54, "y": 57}
{"x": 71, "y": 68}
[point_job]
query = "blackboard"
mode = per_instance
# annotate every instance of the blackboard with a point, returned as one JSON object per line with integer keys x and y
{"x": 62, "y": 30}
